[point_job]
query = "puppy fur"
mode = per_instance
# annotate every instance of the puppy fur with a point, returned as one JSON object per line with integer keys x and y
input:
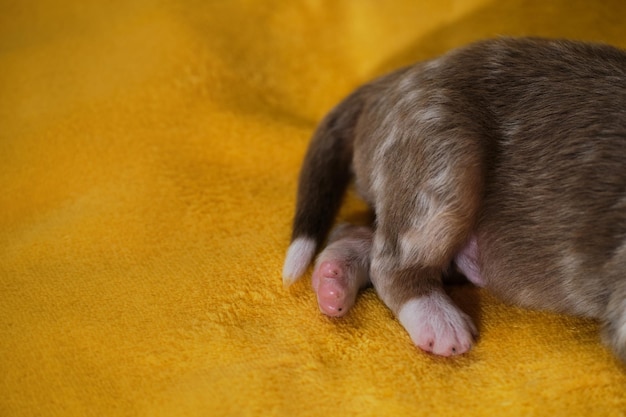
{"x": 508, "y": 156}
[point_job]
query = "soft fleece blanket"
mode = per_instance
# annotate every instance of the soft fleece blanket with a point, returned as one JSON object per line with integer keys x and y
{"x": 148, "y": 161}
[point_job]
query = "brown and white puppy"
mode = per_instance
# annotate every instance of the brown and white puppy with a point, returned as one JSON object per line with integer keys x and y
{"x": 506, "y": 157}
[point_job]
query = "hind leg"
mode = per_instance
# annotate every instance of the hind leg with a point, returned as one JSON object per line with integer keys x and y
{"x": 342, "y": 269}
{"x": 416, "y": 296}
{"x": 427, "y": 204}
{"x": 408, "y": 259}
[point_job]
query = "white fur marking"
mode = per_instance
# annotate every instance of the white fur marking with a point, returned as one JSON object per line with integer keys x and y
{"x": 443, "y": 179}
{"x": 406, "y": 83}
{"x": 379, "y": 177}
{"x": 299, "y": 256}
{"x": 378, "y": 181}
{"x": 414, "y": 242}
{"x": 429, "y": 115}
{"x": 410, "y": 247}
{"x": 436, "y": 325}
{"x": 432, "y": 65}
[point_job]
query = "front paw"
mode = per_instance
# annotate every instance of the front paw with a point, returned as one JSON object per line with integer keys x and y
{"x": 437, "y": 325}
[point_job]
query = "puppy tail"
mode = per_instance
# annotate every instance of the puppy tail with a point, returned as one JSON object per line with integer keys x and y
{"x": 324, "y": 178}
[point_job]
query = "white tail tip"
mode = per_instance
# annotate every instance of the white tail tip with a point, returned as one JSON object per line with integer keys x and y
{"x": 299, "y": 256}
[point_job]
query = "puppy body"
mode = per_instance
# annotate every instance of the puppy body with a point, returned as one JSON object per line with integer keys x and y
{"x": 507, "y": 157}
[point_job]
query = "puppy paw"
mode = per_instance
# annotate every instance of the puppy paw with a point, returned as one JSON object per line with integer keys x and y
{"x": 336, "y": 289}
{"x": 438, "y": 326}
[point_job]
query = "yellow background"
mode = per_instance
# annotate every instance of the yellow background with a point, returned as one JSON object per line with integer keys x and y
{"x": 148, "y": 160}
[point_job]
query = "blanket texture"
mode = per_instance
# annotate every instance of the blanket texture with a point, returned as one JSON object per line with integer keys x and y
{"x": 149, "y": 152}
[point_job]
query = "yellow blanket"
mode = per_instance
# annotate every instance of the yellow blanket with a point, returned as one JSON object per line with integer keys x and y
{"x": 148, "y": 161}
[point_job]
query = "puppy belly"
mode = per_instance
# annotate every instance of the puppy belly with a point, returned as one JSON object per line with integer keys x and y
{"x": 467, "y": 262}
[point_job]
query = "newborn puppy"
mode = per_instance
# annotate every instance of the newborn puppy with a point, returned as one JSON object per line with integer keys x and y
{"x": 506, "y": 157}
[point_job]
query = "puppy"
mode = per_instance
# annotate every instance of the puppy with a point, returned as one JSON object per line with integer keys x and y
{"x": 506, "y": 157}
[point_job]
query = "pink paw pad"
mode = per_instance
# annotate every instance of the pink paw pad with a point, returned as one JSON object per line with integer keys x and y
{"x": 332, "y": 286}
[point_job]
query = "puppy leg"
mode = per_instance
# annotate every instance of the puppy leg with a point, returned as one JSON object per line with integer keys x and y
{"x": 434, "y": 323}
{"x": 423, "y": 220}
{"x": 342, "y": 269}
{"x": 406, "y": 271}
